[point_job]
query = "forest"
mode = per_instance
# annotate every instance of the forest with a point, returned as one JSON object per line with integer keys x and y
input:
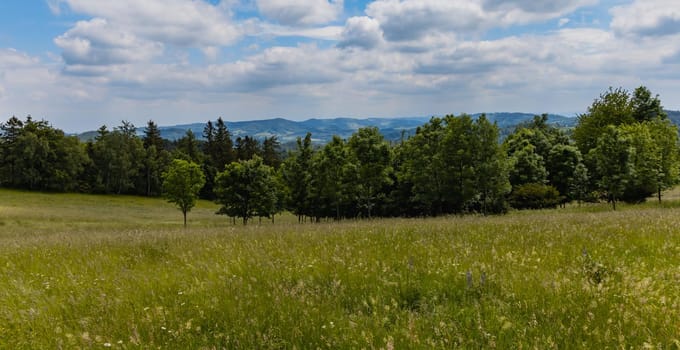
{"x": 624, "y": 148}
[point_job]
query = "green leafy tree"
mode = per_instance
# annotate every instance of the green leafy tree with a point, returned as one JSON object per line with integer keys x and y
{"x": 459, "y": 145}
{"x": 639, "y": 119}
{"x": 152, "y": 136}
{"x": 37, "y": 156}
{"x": 371, "y": 154}
{"x": 223, "y": 152}
{"x": 646, "y": 107}
{"x": 246, "y": 189}
{"x": 210, "y": 162}
{"x": 491, "y": 168}
{"x": 579, "y": 188}
{"x": 665, "y": 135}
{"x": 527, "y": 167}
{"x": 118, "y": 158}
{"x": 423, "y": 168}
{"x": 537, "y": 133}
{"x": 612, "y": 158}
{"x": 271, "y": 152}
{"x": 331, "y": 169}
{"x": 296, "y": 173}
{"x": 643, "y": 160}
{"x": 155, "y": 160}
{"x": 541, "y": 153}
{"x": 455, "y": 164}
{"x": 219, "y": 152}
{"x": 188, "y": 148}
{"x": 11, "y": 130}
{"x": 181, "y": 184}
{"x": 562, "y": 164}
{"x": 247, "y": 147}
{"x": 613, "y": 107}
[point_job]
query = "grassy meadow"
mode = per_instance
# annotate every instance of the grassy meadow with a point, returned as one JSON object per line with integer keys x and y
{"x": 81, "y": 271}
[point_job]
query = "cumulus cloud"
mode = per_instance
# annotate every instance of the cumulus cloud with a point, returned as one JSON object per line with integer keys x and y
{"x": 97, "y": 42}
{"x": 12, "y": 59}
{"x": 363, "y": 32}
{"x": 301, "y": 12}
{"x": 413, "y": 19}
{"x": 130, "y": 30}
{"x": 179, "y": 22}
{"x": 274, "y": 67}
{"x": 647, "y": 18}
{"x": 277, "y": 66}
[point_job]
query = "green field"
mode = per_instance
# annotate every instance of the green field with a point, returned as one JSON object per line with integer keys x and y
{"x": 96, "y": 271}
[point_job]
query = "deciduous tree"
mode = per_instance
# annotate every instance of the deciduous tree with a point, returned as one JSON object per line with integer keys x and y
{"x": 246, "y": 189}
{"x": 181, "y": 184}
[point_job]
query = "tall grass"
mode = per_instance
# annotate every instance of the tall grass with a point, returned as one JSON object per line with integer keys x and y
{"x": 93, "y": 272}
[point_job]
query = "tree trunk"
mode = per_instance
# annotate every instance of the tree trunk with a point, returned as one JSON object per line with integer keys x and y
{"x": 185, "y": 218}
{"x": 659, "y": 194}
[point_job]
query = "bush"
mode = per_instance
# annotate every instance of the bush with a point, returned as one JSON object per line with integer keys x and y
{"x": 534, "y": 196}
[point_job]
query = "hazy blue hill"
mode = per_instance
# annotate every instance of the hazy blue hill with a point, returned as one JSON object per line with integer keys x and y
{"x": 674, "y": 116}
{"x": 505, "y": 120}
{"x": 323, "y": 129}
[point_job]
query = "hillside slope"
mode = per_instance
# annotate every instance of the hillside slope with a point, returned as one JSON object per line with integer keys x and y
{"x": 323, "y": 130}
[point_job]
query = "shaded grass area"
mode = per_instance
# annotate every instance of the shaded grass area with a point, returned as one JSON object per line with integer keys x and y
{"x": 95, "y": 271}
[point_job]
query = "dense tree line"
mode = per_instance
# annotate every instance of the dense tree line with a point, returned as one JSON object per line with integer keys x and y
{"x": 624, "y": 148}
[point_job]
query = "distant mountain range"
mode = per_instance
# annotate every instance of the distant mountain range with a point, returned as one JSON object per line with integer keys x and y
{"x": 323, "y": 129}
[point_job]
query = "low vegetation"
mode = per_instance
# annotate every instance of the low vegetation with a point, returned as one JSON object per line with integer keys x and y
{"x": 82, "y": 271}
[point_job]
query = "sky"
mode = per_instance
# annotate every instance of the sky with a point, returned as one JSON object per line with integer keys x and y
{"x": 81, "y": 64}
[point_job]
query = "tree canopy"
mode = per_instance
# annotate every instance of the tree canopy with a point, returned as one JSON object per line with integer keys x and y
{"x": 181, "y": 184}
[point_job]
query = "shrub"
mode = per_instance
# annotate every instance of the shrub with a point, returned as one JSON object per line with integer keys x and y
{"x": 534, "y": 196}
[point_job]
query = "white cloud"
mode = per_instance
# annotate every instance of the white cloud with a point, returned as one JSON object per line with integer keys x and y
{"x": 260, "y": 28}
{"x": 412, "y": 19}
{"x": 146, "y": 25}
{"x": 178, "y": 22}
{"x": 11, "y": 59}
{"x": 301, "y": 12}
{"x": 97, "y": 42}
{"x": 647, "y": 18}
{"x": 363, "y": 32}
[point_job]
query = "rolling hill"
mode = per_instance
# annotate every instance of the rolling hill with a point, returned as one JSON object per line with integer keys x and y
{"x": 322, "y": 130}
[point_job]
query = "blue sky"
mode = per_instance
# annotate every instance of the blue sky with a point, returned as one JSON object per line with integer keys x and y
{"x": 85, "y": 63}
